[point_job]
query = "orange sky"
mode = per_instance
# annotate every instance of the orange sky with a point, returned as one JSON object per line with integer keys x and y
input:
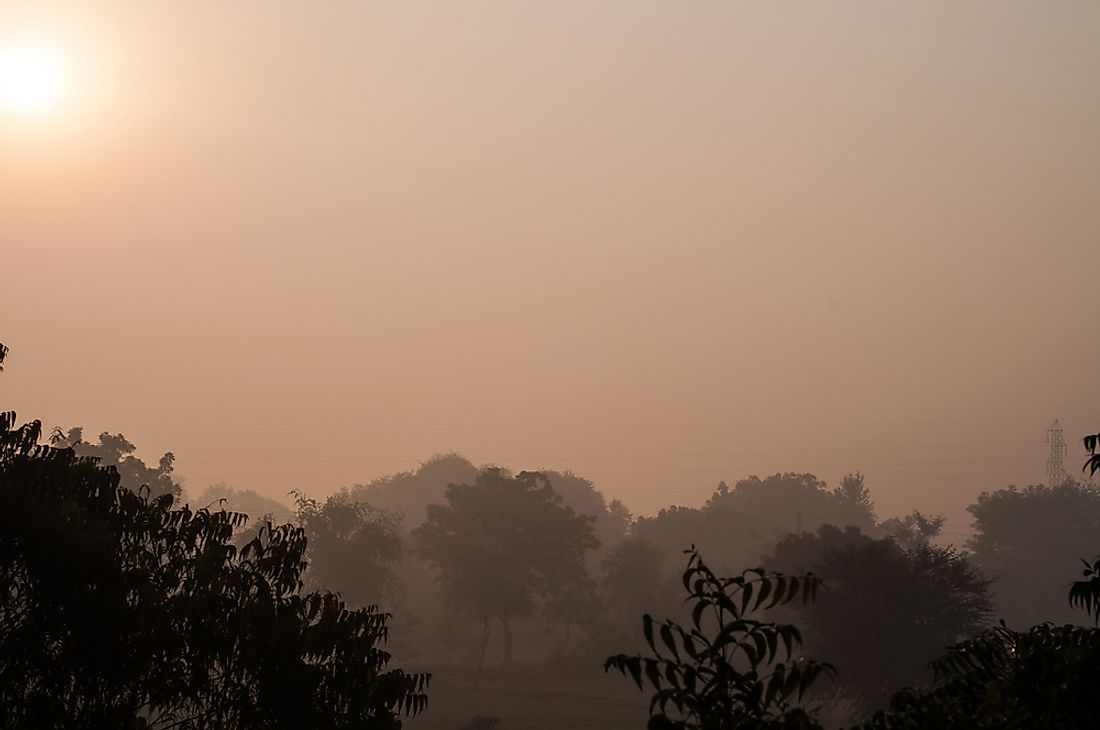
{"x": 661, "y": 244}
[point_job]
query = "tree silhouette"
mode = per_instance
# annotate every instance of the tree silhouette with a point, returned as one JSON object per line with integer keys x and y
{"x": 502, "y": 542}
{"x": 248, "y": 501}
{"x": 1030, "y": 539}
{"x": 631, "y": 581}
{"x": 353, "y": 547}
{"x": 913, "y": 530}
{"x": 409, "y": 493}
{"x": 1092, "y": 445}
{"x": 739, "y": 526}
{"x": 117, "y": 451}
{"x": 887, "y": 611}
{"x": 1044, "y": 677}
{"x": 117, "y": 610}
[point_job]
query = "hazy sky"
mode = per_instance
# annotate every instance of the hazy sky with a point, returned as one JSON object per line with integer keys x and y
{"x": 302, "y": 245}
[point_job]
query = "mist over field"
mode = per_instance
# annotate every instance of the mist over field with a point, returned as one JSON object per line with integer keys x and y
{"x": 450, "y": 365}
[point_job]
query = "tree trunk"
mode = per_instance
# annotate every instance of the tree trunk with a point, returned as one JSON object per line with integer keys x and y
{"x": 563, "y": 646}
{"x": 507, "y": 662}
{"x": 481, "y": 654}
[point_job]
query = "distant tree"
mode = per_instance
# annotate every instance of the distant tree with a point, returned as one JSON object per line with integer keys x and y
{"x": 1030, "y": 539}
{"x": 887, "y": 611}
{"x": 573, "y": 603}
{"x": 246, "y": 501}
{"x": 854, "y": 499}
{"x": 739, "y": 526}
{"x": 409, "y": 493}
{"x": 727, "y": 670}
{"x": 632, "y": 578}
{"x": 353, "y": 548}
{"x": 502, "y": 542}
{"x": 118, "y": 611}
{"x": 115, "y": 450}
{"x": 611, "y": 520}
{"x": 913, "y": 530}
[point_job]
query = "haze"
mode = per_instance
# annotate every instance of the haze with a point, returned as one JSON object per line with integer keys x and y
{"x": 658, "y": 244}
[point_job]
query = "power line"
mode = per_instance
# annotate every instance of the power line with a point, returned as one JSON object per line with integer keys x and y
{"x": 611, "y": 457}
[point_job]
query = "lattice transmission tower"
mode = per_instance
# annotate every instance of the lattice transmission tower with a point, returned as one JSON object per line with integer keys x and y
{"x": 1056, "y": 469}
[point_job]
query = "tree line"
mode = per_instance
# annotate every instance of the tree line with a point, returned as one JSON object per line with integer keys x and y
{"x": 122, "y": 604}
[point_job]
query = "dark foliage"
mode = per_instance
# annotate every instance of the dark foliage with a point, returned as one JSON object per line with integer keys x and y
{"x": 739, "y": 526}
{"x": 1043, "y": 677}
{"x": 117, "y": 451}
{"x": 118, "y": 611}
{"x": 1092, "y": 445}
{"x": 728, "y": 669}
{"x": 353, "y": 547}
{"x": 888, "y": 611}
{"x": 1029, "y": 540}
{"x": 503, "y": 542}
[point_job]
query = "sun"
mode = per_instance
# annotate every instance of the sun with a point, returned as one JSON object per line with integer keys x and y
{"x": 33, "y": 77}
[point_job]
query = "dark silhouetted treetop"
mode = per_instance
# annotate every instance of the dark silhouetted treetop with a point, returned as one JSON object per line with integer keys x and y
{"x": 887, "y": 611}
{"x": 631, "y": 577}
{"x": 1030, "y": 539}
{"x": 118, "y": 611}
{"x": 739, "y": 526}
{"x": 727, "y": 669}
{"x": 115, "y": 450}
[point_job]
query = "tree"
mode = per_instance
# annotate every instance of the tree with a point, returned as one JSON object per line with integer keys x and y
{"x": 1043, "y": 677}
{"x": 117, "y": 610}
{"x": 611, "y": 519}
{"x": 246, "y": 501}
{"x": 1030, "y": 539}
{"x": 117, "y": 451}
{"x": 409, "y": 493}
{"x": 728, "y": 670}
{"x": 913, "y": 530}
{"x": 353, "y": 547}
{"x": 739, "y": 526}
{"x": 632, "y": 578}
{"x": 502, "y": 542}
{"x": 887, "y": 611}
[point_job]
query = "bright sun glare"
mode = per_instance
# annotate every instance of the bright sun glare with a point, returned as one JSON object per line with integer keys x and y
{"x": 33, "y": 77}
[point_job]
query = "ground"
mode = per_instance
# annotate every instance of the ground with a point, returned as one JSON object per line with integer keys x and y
{"x": 535, "y": 698}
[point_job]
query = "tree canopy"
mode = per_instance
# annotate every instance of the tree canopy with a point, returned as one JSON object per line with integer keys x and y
{"x": 353, "y": 548}
{"x": 502, "y": 542}
{"x": 739, "y": 526}
{"x": 118, "y": 610}
{"x": 1030, "y": 539}
{"x": 886, "y": 611}
{"x": 117, "y": 451}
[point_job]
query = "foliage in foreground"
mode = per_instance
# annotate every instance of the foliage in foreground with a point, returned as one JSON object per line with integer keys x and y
{"x": 728, "y": 669}
{"x": 117, "y": 610}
